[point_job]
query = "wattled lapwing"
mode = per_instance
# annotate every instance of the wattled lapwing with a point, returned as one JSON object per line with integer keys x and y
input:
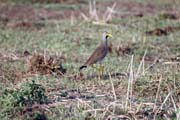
{"x": 99, "y": 54}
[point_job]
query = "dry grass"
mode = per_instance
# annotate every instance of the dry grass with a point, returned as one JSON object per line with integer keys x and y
{"x": 141, "y": 77}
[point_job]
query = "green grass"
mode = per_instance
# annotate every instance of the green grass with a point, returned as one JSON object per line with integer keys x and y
{"x": 76, "y": 42}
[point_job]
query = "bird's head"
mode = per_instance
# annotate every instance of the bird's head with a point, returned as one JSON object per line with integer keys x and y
{"x": 106, "y": 35}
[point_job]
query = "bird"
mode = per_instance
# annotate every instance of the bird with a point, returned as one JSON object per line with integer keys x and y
{"x": 99, "y": 53}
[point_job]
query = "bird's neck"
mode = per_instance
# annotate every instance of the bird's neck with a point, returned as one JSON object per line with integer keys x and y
{"x": 105, "y": 42}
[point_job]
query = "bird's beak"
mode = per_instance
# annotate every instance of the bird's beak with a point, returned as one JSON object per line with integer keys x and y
{"x": 109, "y": 35}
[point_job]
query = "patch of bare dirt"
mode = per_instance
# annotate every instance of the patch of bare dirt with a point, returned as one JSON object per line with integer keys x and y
{"x": 26, "y": 25}
{"x": 27, "y": 16}
{"x": 19, "y": 12}
{"x": 125, "y": 49}
{"x": 23, "y": 16}
{"x": 163, "y": 31}
{"x": 59, "y": 1}
{"x": 149, "y": 58}
{"x": 171, "y": 16}
{"x": 138, "y": 9}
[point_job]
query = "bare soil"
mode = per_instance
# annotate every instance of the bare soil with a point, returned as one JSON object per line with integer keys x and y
{"x": 27, "y": 15}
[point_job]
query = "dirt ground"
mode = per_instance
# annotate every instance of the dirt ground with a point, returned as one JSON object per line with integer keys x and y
{"x": 25, "y": 15}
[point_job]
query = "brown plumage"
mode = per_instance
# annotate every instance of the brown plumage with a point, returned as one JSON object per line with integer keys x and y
{"x": 100, "y": 52}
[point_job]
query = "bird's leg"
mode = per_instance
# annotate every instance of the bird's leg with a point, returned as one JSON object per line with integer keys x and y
{"x": 98, "y": 70}
{"x": 101, "y": 69}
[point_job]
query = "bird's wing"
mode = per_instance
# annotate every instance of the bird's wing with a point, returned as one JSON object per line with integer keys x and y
{"x": 97, "y": 55}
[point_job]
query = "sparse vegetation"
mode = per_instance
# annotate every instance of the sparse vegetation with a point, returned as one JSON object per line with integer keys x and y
{"x": 43, "y": 45}
{"x": 19, "y": 101}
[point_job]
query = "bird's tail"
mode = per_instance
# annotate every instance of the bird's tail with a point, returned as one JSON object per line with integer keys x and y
{"x": 83, "y": 66}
